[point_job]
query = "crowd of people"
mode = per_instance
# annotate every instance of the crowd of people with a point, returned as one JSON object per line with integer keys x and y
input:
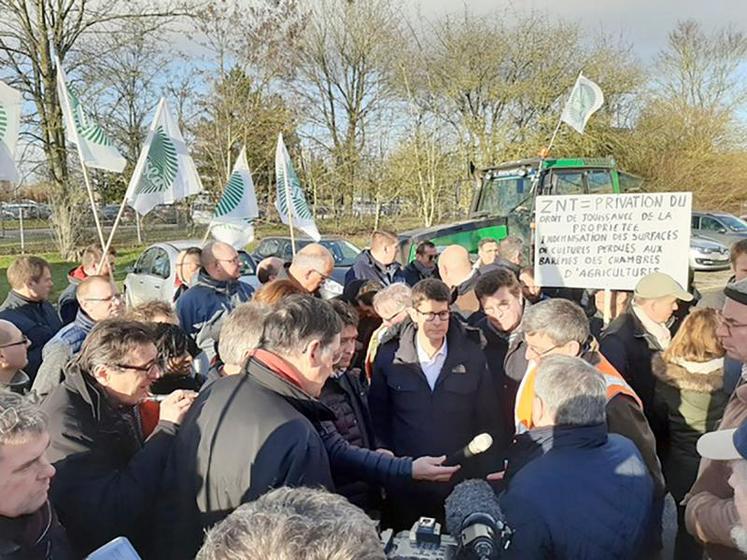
{"x": 235, "y": 424}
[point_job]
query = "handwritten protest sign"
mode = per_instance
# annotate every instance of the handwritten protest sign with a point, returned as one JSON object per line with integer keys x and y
{"x": 611, "y": 240}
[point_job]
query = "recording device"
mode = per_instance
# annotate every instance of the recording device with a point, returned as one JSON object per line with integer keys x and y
{"x": 423, "y": 540}
{"x": 476, "y": 524}
{"x": 479, "y": 444}
{"x": 474, "y": 518}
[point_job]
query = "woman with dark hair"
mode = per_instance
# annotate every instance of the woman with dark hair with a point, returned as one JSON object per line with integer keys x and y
{"x": 176, "y": 351}
{"x": 689, "y": 396}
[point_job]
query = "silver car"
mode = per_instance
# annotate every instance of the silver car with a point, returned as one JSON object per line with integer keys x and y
{"x": 706, "y": 254}
{"x": 154, "y": 275}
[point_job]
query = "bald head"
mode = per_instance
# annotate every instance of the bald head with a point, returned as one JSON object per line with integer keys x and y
{"x": 8, "y": 332}
{"x": 311, "y": 266}
{"x": 98, "y": 298}
{"x": 268, "y": 269}
{"x": 221, "y": 261}
{"x": 454, "y": 265}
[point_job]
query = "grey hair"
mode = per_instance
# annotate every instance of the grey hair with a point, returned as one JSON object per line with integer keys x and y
{"x": 304, "y": 261}
{"x": 299, "y": 320}
{"x": 509, "y": 246}
{"x": 398, "y": 295}
{"x": 241, "y": 331}
{"x": 560, "y": 319}
{"x": 19, "y": 417}
{"x": 572, "y": 390}
{"x": 294, "y": 524}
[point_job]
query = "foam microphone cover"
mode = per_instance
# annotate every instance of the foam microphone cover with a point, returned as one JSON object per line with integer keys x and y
{"x": 467, "y": 498}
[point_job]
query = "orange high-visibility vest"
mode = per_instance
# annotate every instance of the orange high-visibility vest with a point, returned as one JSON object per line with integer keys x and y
{"x": 615, "y": 382}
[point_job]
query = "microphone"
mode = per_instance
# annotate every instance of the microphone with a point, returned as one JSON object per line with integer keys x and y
{"x": 475, "y": 520}
{"x": 479, "y": 444}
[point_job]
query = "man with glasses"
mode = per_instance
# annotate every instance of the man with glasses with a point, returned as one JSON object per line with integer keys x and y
{"x": 98, "y": 299}
{"x": 500, "y": 296}
{"x": 711, "y": 515}
{"x": 310, "y": 269}
{"x": 431, "y": 394}
{"x": 13, "y": 358}
{"x": 391, "y": 305}
{"x": 215, "y": 293}
{"x": 108, "y": 474}
{"x": 424, "y": 266}
{"x": 186, "y": 266}
{"x": 67, "y": 303}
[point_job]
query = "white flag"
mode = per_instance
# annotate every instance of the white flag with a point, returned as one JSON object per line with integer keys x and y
{"x": 96, "y": 148}
{"x": 232, "y": 219}
{"x": 288, "y": 185}
{"x": 585, "y": 99}
{"x": 165, "y": 171}
{"x": 10, "y": 118}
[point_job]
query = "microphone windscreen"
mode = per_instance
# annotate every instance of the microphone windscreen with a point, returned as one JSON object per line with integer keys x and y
{"x": 480, "y": 444}
{"x": 467, "y": 498}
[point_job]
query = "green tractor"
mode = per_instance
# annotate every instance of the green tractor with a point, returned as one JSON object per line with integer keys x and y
{"x": 504, "y": 202}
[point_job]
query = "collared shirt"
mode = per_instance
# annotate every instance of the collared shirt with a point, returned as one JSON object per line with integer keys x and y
{"x": 431, "y": 366}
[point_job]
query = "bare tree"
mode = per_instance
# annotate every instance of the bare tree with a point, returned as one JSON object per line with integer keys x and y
{"x": 31, "y": 33}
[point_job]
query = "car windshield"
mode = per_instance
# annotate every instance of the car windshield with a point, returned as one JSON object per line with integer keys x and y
{"x": 734, "y": 223}
{"x": 247, "y": 264}
{"x": 500, "y": 195}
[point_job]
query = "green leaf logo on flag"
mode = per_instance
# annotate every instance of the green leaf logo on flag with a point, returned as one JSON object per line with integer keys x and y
{"x": 232, "y": 195}
{"x": 85, "y": 125}
{"x": 161, "y": 165}
{"x": 300, "y": 208}
{"x": 3, "y": 122}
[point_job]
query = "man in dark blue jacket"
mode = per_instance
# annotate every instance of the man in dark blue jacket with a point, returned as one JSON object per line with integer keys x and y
{"x": 575, "y": 492}
{"x": 359, "y": 471}
{"x": 424, "y": 266}
{"x": 98, "y": 299}
{"x": 26, "y": 306}
{"x": 431, "y": 394}
{"x": 216, "y": 292}
{"x": 378, "y": 263}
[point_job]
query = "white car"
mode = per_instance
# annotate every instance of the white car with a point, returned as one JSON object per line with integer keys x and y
{"x": 154, "y": 275}
{"x": 707, "y": 254}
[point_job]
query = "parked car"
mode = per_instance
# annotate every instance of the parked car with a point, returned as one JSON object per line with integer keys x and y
{"x": 342, "y": 251}
{"x": 154, "y": 273}
{"x": 706, "y": 254}
{"x": 109, "y": 213}
{"x": 719, "y": 226}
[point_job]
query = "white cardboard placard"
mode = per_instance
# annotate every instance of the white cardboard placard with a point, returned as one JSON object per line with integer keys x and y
{"x": 610, "y": 241}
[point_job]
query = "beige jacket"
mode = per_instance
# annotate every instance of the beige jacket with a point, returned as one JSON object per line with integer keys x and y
{"x": 710, "y": 513}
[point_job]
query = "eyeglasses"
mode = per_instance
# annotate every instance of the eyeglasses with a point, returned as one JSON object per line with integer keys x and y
{"x": 430, "y": 316}
{"x": 729, "y": 324}
{"x": 116, "y": 298}
{"x": 321, "y": 274}
{"x": 147, "y": 368}
{"x": 24, "y": 340}
{"x": 393, "y": 316}
{"x": 235, "y": 260}
{"x": 541, "y": 353}
{"x": 499, "y": 308}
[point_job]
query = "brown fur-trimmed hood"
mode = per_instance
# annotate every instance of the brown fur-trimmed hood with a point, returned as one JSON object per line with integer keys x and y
{"x": 680, "y": 377}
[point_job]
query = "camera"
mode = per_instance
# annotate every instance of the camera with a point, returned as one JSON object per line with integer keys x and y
{"x": 423, "y": 540}
{"x": 477, "y": 527}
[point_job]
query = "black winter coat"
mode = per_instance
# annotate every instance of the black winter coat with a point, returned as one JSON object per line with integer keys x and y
{"x": 107, "y": 477}
{"x": 244, "y": 435}
{"x": 630, "y": 348}
{"x": 356, "y": 469}
{"x": 37, "y": 536}
{"x": 38, "y": 320}
{"x": 413, "y": 420}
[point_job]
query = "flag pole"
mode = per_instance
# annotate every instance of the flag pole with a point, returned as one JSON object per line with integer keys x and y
{"x": 288, "y": 210}
{"x": 124, "y": 201}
